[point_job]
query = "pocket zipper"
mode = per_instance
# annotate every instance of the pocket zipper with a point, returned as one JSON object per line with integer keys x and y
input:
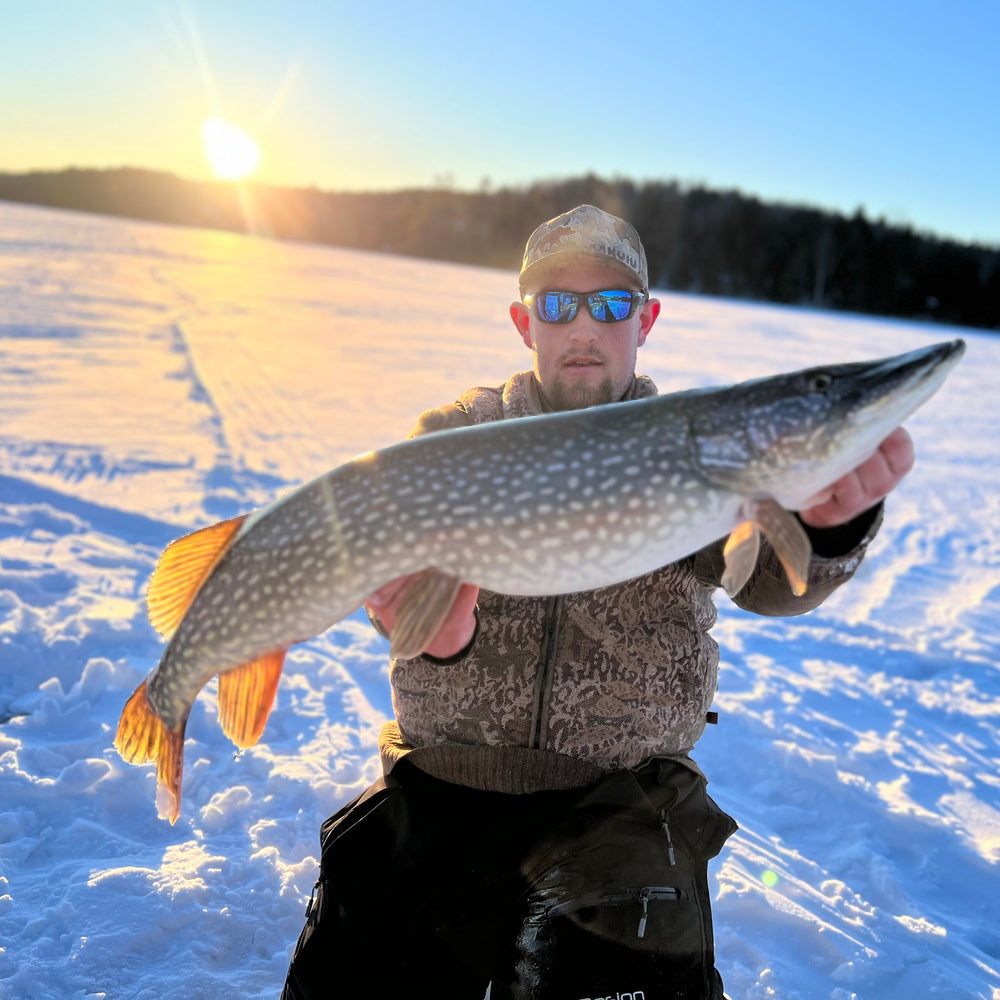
{"x": 641, "y": 895}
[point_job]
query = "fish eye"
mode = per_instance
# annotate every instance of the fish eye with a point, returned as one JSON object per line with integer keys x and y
{"x": 820, "y": 382}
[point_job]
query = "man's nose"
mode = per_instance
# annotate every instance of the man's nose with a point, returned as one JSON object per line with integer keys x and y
{"x": 584, "y": 328}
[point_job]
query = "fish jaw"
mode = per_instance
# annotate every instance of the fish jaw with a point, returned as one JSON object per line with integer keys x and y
{"x": 790, "y": 436}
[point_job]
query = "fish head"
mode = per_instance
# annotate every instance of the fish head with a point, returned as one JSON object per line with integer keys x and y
{"x": 790, "y": 436}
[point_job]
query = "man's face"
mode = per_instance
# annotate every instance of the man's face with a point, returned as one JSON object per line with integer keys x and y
{"x": 585, "y": 362}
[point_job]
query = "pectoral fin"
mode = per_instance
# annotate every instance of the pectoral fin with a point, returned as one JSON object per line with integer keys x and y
{"x": 422, "y": 612}
{"x": 786, "y": 535}
{"x": 246, "y": 695}
{"x": 740, "y": 551}
{"x": 788, "y": 539}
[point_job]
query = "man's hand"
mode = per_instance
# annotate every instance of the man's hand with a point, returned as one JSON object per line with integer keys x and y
{"x": 456, "y": 632}
{"x": 864, "y": 487}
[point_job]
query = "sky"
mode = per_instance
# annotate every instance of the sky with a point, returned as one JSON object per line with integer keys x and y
{"x": 889, "y": 106}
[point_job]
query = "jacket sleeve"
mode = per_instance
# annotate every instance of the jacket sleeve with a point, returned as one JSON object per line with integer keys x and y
{"x": 837, "y": 553}
{"x": 444, "y": 418}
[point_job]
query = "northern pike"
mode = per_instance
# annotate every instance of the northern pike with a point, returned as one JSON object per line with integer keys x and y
{"x": 551, "y": 504}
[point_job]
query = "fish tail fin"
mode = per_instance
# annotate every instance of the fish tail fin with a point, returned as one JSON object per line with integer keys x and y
{"x": 142, "y": 736}
{"x": 246, "y": 695}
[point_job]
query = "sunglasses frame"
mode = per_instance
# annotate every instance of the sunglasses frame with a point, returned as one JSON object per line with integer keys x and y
{"x": 531, "y": 301}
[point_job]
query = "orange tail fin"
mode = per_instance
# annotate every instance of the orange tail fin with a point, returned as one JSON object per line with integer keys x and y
{"x": 142, "y": 736}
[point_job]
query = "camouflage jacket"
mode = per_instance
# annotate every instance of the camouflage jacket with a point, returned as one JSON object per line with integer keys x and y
{"x": 554, "y": 691}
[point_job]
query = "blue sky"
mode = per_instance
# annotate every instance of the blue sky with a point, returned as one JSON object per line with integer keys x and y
{"x": 892, "y": 106}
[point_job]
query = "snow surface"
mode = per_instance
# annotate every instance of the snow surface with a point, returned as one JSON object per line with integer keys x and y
{"x": 154, "y": 379}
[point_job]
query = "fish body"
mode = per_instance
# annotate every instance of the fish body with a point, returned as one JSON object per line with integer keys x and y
{"x": 552, "y": 504}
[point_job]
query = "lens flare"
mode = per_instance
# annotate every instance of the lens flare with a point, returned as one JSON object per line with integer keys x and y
{"x": 232, "y": 153}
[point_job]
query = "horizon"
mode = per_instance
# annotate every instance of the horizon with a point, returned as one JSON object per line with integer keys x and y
{"x": 889, "y": 111}
{"x": 251, "y": 182}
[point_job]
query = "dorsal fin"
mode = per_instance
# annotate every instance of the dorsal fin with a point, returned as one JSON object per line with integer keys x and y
{"x": 184, "y": 566}
{"x": 246, "y": 695}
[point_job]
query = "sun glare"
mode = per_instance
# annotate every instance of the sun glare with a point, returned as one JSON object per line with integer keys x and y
{"x": 232, "y": 153}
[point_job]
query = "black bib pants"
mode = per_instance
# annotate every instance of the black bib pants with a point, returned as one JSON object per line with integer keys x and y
{"x": 428, "y": 888}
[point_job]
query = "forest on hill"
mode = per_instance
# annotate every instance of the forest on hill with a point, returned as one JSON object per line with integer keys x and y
{"x": 697, "y": 239}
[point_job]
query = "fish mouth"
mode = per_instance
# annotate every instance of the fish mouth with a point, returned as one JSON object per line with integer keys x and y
{"x": 927, "y": 362}
{"x": 898, "y": 385}
{"x": 805, "y": 430}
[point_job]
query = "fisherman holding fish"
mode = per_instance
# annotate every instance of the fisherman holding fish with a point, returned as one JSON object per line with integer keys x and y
{"x": 541, "y": 829}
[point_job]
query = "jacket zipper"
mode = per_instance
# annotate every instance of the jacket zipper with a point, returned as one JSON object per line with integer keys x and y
{"x": 665, "y": 827}
{"x": 551, "y": 627}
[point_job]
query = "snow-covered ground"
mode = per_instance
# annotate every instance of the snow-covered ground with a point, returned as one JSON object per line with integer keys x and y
{"x": 155, "y": 379}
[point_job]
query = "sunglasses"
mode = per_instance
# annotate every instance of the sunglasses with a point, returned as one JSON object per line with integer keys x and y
{"x": 611, "y": 306}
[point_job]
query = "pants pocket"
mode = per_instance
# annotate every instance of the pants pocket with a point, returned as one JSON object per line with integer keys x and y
{"x": 617, "y": 904}
{"x": 643, "y": 940}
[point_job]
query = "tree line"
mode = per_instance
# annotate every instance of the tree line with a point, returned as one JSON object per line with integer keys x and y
{"x": 697, "y": 239}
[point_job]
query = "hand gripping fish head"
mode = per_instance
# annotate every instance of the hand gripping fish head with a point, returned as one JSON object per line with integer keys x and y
{"x": 801, "y": 433}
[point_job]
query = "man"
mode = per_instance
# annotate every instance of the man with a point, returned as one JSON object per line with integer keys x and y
{"x": 541, "y": 829}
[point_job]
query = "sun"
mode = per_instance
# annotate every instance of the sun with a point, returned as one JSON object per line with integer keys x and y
{"x": 232, "y": 153}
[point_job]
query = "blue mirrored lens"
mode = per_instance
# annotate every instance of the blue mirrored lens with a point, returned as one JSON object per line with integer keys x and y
{"x": 610, "y": 306}
{"x": 557, "y": 307}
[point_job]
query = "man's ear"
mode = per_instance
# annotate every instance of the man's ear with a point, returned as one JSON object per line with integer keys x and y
{"x": 521, "y": 316}
{"x": 647, "y": 318}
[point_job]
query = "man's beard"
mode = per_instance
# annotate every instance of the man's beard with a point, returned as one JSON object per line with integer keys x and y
{"x": 560, "y": 396}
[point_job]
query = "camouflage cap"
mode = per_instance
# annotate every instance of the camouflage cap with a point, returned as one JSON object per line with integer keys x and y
{"x": 586, "y": 233}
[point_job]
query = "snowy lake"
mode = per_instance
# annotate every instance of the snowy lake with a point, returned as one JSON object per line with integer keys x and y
{"x": 155, "y": 379}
